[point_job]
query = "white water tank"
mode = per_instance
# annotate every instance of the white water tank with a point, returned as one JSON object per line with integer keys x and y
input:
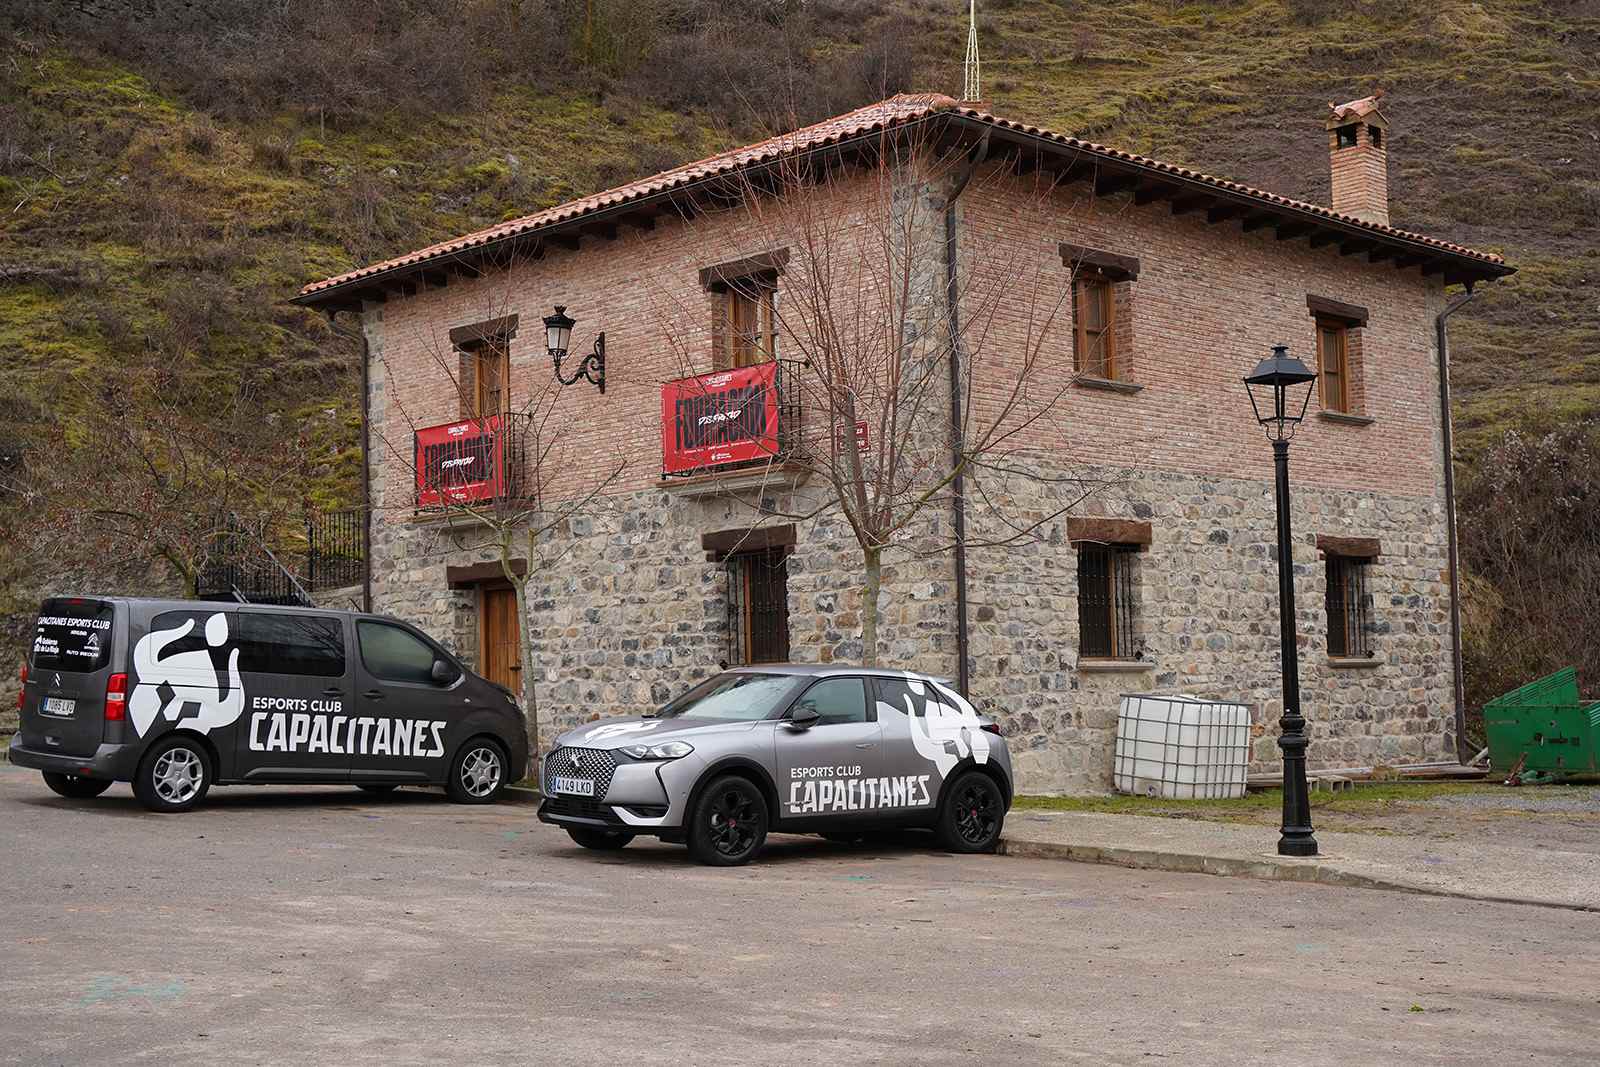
{"x": 1181, "y": 748}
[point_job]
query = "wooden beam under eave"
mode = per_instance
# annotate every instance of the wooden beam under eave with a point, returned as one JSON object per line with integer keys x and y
{"x": 1290, "y": 230}
{"x": 562, "y": 240}
{"x": 607, "y": 230}
{"x": 643, "y": 221}
{"x": 1351, "y": 248}
{"x": 1255, "y": 222}
{"x": 1433, "y": 266}
{"x": 1379, "y": 254}
{"x": 1324, "y": 237}
{"x": 1223, "y": 212}
{"x": 436, "y": 279}
{"x": 1149, "y": 194}
{"x": 1408, "y": 261}
{"x": 1110, "y": 184}
{"x": 1184, "y": 204}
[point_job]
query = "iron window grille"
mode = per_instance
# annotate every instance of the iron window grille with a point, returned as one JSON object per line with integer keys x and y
{"x": 1106, "y": 601}
{"x": 758, "y": 607}
{"x": 1349, "y": 608}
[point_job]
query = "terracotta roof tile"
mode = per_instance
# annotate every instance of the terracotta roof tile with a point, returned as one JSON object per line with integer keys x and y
{"x": 1355, "y": 109}
{"x": 895, "y": 111}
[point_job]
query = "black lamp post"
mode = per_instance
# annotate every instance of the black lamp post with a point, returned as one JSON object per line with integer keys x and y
{"x": 1275, "y": 396}
{"x": 557, "y": 334}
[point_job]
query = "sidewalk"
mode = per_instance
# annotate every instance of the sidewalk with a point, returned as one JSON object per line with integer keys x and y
{"x": 1471, "y": 869}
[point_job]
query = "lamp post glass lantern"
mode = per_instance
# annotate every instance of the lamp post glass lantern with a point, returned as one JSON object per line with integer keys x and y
{"x": 1280, "y": 394}
{"x": 558, "y": 335}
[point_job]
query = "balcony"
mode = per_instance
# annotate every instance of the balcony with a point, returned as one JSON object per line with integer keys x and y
{"x": 470, "y": 462}
{"x": 743, "y": 420}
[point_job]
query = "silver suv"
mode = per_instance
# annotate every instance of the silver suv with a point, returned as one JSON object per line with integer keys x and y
{"x": 840, "y": 751}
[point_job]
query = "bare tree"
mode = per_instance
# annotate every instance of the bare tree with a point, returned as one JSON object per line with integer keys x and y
{"x": 166, "y": 454}
{"x": 930, "y": 371}
{"x": 505, "y": 472}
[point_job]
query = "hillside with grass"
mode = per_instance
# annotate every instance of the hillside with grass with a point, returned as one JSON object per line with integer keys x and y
{"x": 171, "y": 172}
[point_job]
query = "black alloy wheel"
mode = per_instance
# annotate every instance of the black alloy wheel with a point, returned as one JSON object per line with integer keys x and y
{"x": 730, "y": 822}
{"x": 973, "y": 814}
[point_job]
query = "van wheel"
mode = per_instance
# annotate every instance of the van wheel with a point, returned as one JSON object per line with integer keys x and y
{"x": 729, "y": 823}
{"x": 74, "y": 788}
{"x": 972, "y": 815}
{"x": 599, "y": 840}
{"x": 478, "y": 773}
{"x": 174, "y": 776}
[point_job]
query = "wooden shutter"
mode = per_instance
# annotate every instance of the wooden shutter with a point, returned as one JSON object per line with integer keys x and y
{"x": 1095, "y": 335}
{"x": 500, "y": 638}
{"x": 1332, "y": 364}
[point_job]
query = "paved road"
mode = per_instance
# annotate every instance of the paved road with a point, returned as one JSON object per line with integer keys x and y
{"x": 321, "y": 925}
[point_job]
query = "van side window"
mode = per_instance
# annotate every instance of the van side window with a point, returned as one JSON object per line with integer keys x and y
{"x": 900, "y": 694}
{"x": 291, "y": 644}
{"x": 193, "y": 641}
{"x": 838, "y": 700}
{"x": 395, "y": 655}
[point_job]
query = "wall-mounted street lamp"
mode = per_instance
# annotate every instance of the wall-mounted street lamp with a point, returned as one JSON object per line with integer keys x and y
{"x": 557, "y": 334}
{"x": 1280, "y": 392}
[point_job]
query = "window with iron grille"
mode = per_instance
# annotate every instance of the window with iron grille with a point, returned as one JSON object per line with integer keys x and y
{"x": 1106, "y": 601}
{"x": 758, "y": 606}
{"x": 1349, "y": 607}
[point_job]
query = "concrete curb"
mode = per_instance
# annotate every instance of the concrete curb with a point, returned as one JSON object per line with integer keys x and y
{"x": 1265, "y": 869}
{"x": 521, "y": 794}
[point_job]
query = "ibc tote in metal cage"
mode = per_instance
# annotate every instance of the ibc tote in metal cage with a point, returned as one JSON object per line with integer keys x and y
{"x": 1181, "y": 747}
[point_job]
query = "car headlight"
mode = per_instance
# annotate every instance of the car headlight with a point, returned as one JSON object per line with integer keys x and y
{"x": 665, "y": 750}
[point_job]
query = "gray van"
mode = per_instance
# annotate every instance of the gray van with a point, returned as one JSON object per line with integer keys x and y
{"x": 178, "y": 695}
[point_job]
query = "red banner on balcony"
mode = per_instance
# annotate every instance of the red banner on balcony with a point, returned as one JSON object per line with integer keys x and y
{"x": 716, "y": 419}
{"x": 460, "y": 462}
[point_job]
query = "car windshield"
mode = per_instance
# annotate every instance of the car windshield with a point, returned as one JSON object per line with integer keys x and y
{"x": 732, "y": 697}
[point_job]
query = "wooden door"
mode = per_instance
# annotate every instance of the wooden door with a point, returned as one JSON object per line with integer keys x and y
{"x": 500, "y": 643}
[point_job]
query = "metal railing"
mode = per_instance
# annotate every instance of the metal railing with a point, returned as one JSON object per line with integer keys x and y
{"x": 747, "y": 443}
{"x": 335, "y": 548}
{"x": 470, "y": 461}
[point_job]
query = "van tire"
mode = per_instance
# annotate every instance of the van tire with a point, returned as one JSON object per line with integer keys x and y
{"x": 474, "y": 761}
{"x": 175, "y": 775}
{"x": 599, "y": 840}
{"x": 75, "y": 788}
{"x": 973, "y": 814}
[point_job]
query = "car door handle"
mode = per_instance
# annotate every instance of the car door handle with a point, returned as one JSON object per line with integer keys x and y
{"x": 333, "y": 691}
{"x": 866, "y": 744}
{"x": 373, "y": 694}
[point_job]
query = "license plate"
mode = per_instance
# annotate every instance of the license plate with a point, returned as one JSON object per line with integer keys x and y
{"x": 578, "y": 787}
{"x": 59, "y": 706}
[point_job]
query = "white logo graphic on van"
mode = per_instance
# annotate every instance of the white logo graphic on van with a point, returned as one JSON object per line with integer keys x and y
{"x": 168, "y": 687}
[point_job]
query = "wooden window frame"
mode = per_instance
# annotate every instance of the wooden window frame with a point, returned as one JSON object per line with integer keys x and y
{"x": 1104, "y": 287}
{"x": 1120, "y": 601}
{"x": 470, "y": 342}
{"x": 740, "y": 568}
{"x": 1339, "y": 403}
{"x": 1346, "y": 601}
{"x": 743, "y": 348}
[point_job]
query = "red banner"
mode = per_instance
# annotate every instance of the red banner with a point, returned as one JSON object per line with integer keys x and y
{"x": 460, "y": 462}
{"x": 715, "y": 419}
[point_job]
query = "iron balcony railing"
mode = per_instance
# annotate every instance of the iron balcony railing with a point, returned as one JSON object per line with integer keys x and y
{"x": 470, "y": 461}
{"x": 731, "y": 419}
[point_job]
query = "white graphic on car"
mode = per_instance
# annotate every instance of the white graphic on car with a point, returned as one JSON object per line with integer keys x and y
{"x": 189, "y": 679}
{"x": 946, "y": 731}
{"x": 618, "y": 729}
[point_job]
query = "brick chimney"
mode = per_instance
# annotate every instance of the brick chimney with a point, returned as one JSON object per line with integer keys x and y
{"x": 1358, "y": 149}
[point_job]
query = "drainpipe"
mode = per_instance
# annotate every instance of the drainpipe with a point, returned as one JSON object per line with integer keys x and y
{"x": 952, "y": 292}
{"x": 1442, "y": 345}
{"x": 366, "y": 469}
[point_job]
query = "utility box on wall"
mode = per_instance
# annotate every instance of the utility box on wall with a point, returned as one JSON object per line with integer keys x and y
{"x": 1178, "y": 747}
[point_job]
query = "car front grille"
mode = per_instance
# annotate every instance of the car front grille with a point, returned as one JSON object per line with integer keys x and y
{"x": 596, "y": 763}
{"x": 581, "y": 808}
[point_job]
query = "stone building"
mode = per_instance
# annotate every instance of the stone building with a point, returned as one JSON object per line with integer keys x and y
{"x": 1173, "y": 284}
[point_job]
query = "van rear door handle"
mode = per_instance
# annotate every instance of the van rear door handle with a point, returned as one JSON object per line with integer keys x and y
{"x": 865, "y": 744}
{"x": 332, "y": 691}
{"x": 373, "y": 694}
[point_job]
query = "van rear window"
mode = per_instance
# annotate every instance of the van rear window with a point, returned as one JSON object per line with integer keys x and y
{"x": 72, "y": 634}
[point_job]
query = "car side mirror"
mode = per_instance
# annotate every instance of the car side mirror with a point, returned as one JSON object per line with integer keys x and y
{"x": 804, "y": 716}
{"x": 443, "y": 673}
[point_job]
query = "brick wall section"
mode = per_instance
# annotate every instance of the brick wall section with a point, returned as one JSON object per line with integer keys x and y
{"x": 635, "y": 612}
{"x": 1361, "y": 176}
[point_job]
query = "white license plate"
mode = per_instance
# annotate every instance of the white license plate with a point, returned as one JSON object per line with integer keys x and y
{"x": 59, "y": 706}
{"x": 577, "y": 787}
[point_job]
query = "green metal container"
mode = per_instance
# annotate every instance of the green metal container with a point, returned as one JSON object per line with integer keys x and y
{"x": 1542, "y": 732}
